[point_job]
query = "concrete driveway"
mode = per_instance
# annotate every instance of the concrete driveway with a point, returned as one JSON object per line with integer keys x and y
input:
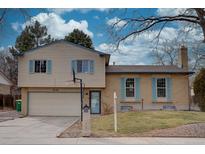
{"x": 19, "y": 130}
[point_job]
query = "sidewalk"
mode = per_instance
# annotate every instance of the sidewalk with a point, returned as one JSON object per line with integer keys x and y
{"x": 92, "y": 141}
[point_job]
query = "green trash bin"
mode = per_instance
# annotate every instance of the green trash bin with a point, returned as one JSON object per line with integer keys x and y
{"x": 18, "y": 105}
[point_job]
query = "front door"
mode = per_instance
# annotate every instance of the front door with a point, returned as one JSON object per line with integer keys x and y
{"x": 95, "y": 102}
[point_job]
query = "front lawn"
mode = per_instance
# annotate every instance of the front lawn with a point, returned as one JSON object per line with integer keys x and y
{"x": 144, "y": 121}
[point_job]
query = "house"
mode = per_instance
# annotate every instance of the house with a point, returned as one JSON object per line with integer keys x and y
{"x": 5, "y": 89}
{"x": 47, "y": 88}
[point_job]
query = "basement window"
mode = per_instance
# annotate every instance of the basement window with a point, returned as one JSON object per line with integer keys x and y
{"x": 126, "y": 108}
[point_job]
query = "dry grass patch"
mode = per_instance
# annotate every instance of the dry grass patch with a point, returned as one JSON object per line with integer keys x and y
{"x": 130, "y": 123}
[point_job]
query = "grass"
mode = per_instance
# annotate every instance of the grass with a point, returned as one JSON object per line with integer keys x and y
{"x": 144, "y": 121}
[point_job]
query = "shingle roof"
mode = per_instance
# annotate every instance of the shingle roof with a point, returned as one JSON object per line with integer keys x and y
{"x": 159, "y": 69}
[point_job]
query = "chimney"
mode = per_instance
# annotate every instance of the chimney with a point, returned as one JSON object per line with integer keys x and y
{"x": 183, "y": 58}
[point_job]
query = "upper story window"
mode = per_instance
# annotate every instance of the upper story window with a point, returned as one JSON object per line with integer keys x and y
{"x": 83, "y": 66}
{"x": 161, "y": 87}
{"x": 40, "y": 66}
{"x": 130, "y": 87}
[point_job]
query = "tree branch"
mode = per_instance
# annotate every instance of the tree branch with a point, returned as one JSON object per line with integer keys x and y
{"x": 3, "y": 15}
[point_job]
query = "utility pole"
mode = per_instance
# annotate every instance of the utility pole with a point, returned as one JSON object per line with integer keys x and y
{"x": 115, "y": 112}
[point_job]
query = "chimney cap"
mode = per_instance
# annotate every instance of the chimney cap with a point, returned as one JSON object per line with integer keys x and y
{"x": 183, "y": 47}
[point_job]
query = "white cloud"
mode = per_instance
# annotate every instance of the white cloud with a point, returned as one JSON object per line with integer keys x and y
{"x": 136, "y": 50}
{"x": 82, "y": 10}
{"x": 133, "y": 54}
{"x": 99, "y": 34}
{"x": 117, "y": 22}
{"x": 16, "y": 26}
{"x": 170, "y": 11}
{"x": 61, "y": 11}
{"x": 57, "y": 26}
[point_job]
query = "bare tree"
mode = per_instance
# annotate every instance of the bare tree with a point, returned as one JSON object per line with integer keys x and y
{"x": 3, "y": 13}
{"x": 165, "y": 51}
{"x": 21, "y": 12}
{"x": 8, "y": 65}
{"x": 141, "y": 24}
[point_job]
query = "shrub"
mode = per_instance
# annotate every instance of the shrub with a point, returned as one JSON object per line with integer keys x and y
{"x": 107, "y": 108}
{"x": 199, "y": 89}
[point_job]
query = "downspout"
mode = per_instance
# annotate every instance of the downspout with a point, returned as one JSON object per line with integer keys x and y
{"x": 189, "y": 93}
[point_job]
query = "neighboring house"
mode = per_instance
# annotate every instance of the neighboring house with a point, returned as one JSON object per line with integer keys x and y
{"x": 45, "y": 79}
{"x": 5, "y": 89}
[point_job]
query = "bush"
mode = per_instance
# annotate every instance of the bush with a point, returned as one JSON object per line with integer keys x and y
{"x": 199, "y": 89}
{"x": 107, "y": 108}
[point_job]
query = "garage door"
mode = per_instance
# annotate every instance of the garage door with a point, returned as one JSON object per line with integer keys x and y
{"x": 54, "y": 104}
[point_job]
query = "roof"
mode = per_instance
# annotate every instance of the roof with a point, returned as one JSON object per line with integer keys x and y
{"x": 146, "y": 69}
{"x": 70, "y": 43}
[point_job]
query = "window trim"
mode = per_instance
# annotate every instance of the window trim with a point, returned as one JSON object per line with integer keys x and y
{"x": 165, "y": 88}
{"x": 34, "y": 66}
{"x": 133, "y": 88}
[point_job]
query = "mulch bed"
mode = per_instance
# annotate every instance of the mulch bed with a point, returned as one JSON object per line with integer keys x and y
{"x": 190, "y": 130}
{"x": 73, "y": 131}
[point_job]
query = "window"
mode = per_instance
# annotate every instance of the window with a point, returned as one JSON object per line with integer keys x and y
{"x": 126, "y": 108}
{"x": 40, "y": 66}
{"x": 84, "y": 66}
{"x": 130, "y": 87}
{"x": 79, "y": 66}
{"x": 161, "y": 87}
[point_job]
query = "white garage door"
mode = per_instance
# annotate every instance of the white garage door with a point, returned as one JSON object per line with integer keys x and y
{"x": 54, "y": 104}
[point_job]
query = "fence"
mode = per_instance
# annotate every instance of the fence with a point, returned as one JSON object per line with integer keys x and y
{"x": 8, "y": 101}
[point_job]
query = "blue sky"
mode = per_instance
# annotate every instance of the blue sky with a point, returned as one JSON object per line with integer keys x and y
{"x": 95, "y": 18}
{"x": 94, "y": 22}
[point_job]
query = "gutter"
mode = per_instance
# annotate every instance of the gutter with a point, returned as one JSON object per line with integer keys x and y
{"x": 151, "y": 73}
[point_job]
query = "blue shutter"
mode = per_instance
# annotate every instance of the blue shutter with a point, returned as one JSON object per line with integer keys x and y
{"x": 91, "y": 66}
{"x": 31, "y": 66}
{"x": 169, "y": 89}
{"x": 74, "y": 65}
{"x": 49, "y": 66}
{"x": 122, "y": 88}
{"x": 154, "y": 94}
{"x": 137, "y": 88}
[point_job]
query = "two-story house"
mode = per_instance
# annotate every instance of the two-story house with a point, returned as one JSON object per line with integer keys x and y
{"x": 47, "y": 88}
